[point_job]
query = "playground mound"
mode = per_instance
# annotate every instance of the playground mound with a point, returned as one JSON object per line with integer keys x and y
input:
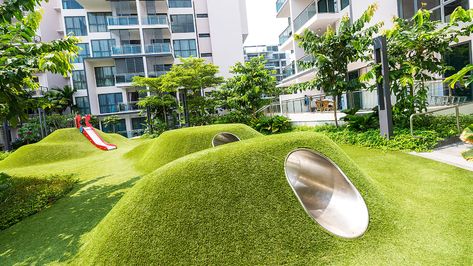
{"x": 174, "y": 144}
{"x": 61, "y": 145}
{"x": 230, "y": 205}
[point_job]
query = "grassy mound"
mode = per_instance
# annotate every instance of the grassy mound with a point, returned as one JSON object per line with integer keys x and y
{"x": 61, "y": 145}
{"x": 230, "y": 205}
{"x": 175, "y": 144}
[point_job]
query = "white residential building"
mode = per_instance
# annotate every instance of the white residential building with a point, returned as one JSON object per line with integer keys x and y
{"x": 276, "y": 60}
{"x": 319, "y": 14}
{"x": 123, "y": 39}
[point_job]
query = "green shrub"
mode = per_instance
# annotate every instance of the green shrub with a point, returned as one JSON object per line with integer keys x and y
{"x": 273, "y": 125}
{"x": 21, "y": 197}
{"x": 468, "y": 155}
{"x": 402, "y": 140}
{"x": 361, "y": 122}
{"x": 444, "y": 125}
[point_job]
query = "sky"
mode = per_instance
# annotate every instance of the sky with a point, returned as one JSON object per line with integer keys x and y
{"x": 263, "y": 26}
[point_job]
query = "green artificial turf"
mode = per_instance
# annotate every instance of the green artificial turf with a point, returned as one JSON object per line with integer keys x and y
{"x": 174, "y": 144}
{"x": 231, "y": 205}
{"x": 420, "y": 210}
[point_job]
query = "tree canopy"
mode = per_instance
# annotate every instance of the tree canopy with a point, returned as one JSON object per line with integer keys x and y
{"x": 22, "y": 56}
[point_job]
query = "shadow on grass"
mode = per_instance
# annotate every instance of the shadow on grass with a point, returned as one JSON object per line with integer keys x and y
{"x": 54, "y": 234}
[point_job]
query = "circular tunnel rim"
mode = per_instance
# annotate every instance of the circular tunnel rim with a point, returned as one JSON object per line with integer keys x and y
{"x": 346, "y": 179}
{"x": 225, "y": 132}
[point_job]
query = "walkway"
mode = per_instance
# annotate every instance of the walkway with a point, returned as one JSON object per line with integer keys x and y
{"x": 451, "y": 154}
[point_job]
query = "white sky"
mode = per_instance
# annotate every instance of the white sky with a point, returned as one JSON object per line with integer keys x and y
{"x": 264, "y": 27}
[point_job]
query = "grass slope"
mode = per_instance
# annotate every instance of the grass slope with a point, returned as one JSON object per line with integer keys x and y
{"x": 230, "y": 205}
{"x": 175, "y": 144}
{"x": 63, "y": 144}
{"x": 55, "y": 234}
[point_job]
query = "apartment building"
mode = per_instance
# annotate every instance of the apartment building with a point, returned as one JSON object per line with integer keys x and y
{"x": 123, "y": 39}
{"x": 276, "y": 60}
{"x": 319, "y": 14}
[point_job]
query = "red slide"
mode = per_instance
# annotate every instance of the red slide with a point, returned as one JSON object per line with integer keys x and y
{"x": 90, "y": 133}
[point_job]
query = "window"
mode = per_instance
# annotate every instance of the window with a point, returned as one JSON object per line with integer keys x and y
{"x": 204, "y": 35}
{"x": 345, "y": 3}
{"x": 202, "y": 15}
{"x": 130, "y": 65}
{"x": 82, "y": 104}
{"x": 79, "y": 81}
{"x": 109, "y": 103}
{"x": 105, "y": 76}
{"x": 407, "y": 8}
{"x": 458, "y": 58}
{"x": 182, "y": 23}
{"x": 118, "y": 127}
{"x": 206, "y": 54}
{"x": 180, "y": 3}
{"x": 185, "y": 48}
{"x": 138, "y": 123}
{"x": 71, "y": 4}
{"x": 76, "y": 26}
{"x": 98, "y": 21}
{"x": 84, "y": 52}
{"x": 102, "y": 48}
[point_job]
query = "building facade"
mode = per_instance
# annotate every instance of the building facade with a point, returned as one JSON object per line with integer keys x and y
{"x": 276, "y": 60}
{"x": 319, "y": 14}
{"x": 123, "y": 39}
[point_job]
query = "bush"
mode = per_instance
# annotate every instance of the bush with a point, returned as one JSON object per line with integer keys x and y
{"x": 402, "y": 140}
{"x": 444, "y": 125}
{"x": 234, "y": 117}
{"x": 361, "y": 122}
{"x": 25, "y": 196}
{"x": 273, "y": 125}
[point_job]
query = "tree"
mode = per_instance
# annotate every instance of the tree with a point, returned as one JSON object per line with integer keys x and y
{"x": 415, "y": 47}
{"x": 59, "y": 100}
{"x": 249, "y": 89}
{"x": 21, "y": 56}
{"x": 191, "y": 78}
{"x": 111, "y": 121}
{"x": 332, "y": 51}
{"x": 159, "y": 101}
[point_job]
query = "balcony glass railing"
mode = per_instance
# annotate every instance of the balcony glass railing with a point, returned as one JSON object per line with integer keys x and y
{"x": 156, "y": 74}
{"x": 126, "y": 49}
{"x": 155, "y": 20}
{"x": 279, "y": 5}
{"x": 300, "y": 63}
{"x": 289, "y": 70}
{"x": 316, "y": 7}
{"x": 127, "y": 77}
{"x": 127, "y": 107}
{"x": 285, "y": 35}
{"x": 158, "y": 48}
{"x": 122, "y": 21}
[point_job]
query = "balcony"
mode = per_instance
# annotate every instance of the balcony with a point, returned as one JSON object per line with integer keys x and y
{"x": 123, "y": 21}
{"x": 158, "y": 48}
{"x": 304, "y": 59}
{"x": 155, "y": 20}
{"x": 156, "y": 74}
{"x": 282, "y": 8}
{"x": 320, "y": 13}
{"x": 128, "y": 49}
{"x": 128, "y": 107}
{"x": 126, "y": 78}
{"x": 289, "y": 70}
{"x": 285, "y": 35}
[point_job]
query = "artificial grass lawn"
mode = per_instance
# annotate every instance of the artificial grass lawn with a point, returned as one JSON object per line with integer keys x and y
{"x": 425, "y": 209}
{"x": 174, "y": 144}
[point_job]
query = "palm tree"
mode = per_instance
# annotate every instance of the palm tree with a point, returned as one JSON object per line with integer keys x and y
{"x": 61, "y": 99}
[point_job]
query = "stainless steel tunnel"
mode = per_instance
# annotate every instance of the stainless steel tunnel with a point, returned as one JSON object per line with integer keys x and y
{"x": 224, "y": 138}
{"x": 326, "y": 193}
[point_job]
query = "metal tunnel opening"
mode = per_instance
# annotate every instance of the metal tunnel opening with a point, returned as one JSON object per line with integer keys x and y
{"x": 224, "y": 138}
{"x": 326, "y": 193}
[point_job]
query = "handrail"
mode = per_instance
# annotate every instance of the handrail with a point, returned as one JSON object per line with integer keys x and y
{"x": 457, "y": 114}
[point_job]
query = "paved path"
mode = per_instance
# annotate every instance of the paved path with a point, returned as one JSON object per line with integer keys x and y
{"x": 451, "y": 154}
